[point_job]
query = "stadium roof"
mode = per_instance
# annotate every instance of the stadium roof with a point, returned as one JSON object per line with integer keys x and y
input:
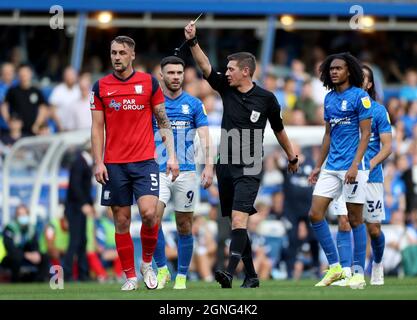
{"x": 399, "y": 8}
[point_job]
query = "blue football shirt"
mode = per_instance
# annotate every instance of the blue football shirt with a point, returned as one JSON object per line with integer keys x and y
{"x": 186, "y": 113}
{"x": 380, "y": 124}
{"x": 344, "y": 111}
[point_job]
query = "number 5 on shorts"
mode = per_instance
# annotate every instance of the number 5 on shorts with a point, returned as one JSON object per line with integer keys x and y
{"x": 154, "y": 180}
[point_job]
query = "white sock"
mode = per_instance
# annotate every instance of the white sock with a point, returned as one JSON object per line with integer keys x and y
{"x": 334, "y": 265}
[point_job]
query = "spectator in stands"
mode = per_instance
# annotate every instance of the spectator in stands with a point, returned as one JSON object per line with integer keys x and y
{"x": 394, "y": 191}
{"x": 191, "y": 81}
{"x": 318, "y": 90}
{"x": 412, "y": 228}
{"x": 409, "y": 177}
{"x": 44, "y": 129}
{"x": 79, "y": 204}
{"x": 409, "y": 120}
{"x": 367, "y": 59}
{"x": 95, "y": 264}
{"x": 277, "y": 207}
{"x": 214, "y": 116}
{"x": 297, "y": 199}
{"x": 409, "y": 252}
{"x": 395, "y": 109}
{"x": 281, "y": 63}
{"x": 298, "y": 74}
{"x": 55, "y": 239}
{"x": 7, "y": 80}
{"x": 53, "y": 72}
{"x": 107, "y": 244}
{"x": 27, "y": 102}
{"x": 81, "y": 115}
{"x": 260, "y": 249}
{"x": 287, "y": 98}
{"x": 15, "y": 131}
{"x": 408, "y": 92}
{"x": 17, "y": 57}
{"x": 22, "y": 247}
{"x": 95, "y": 68}
{"x": 395, "y": 242}
{"x": 205, "y": 248}
{"x": 304, "y": 260}
{"x": 306, "y": 103}
{"x": 272, "y": 177}
{"x": 63, "y": 98}
{"x": 270, "y": 82}
{"x": 298, "y": 118}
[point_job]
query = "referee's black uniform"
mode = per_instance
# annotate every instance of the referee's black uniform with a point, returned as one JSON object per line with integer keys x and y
{"x": 250, "y": 110}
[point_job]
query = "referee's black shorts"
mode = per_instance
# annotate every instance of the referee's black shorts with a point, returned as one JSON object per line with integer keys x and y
{"x": 236, "y": 190}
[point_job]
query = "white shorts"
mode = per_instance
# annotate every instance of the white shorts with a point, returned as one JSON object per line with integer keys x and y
{"x": 374, "y": 210}
{"x": 338, "y": 207}
{"x": 182, "y": 190}
{"x": 331, "y": 185}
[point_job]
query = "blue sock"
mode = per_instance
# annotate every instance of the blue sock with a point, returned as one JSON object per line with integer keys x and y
{"x": 326, "y": 241}
{"x": 185, "y": 252}
{"x": 344, "y": 247}
{"x": 159, "y": 253}
{"x": 359, "y": 247}
{"x": 378, "y": 246}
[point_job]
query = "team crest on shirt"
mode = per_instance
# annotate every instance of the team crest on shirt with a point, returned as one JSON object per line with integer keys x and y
{"x": 139, "y": 89}
{"x": 344, "y": 105}
{"x": 185, "y": 109}
{"x": 33, "y": 98}
{"x": 254, "y": 116}
{"x": 366, "y": 102}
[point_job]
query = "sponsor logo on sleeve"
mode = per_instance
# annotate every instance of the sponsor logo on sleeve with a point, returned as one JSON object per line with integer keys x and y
{"x": 92, "y": 105}
{"x": 366, "y": 102}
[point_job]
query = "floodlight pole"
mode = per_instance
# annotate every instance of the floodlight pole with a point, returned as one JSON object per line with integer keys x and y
{"x": 268, "y": 44}
{"x": 79, "y": 41}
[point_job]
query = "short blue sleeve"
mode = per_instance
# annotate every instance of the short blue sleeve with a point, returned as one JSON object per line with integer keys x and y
{"x": 200, "y": 114}
{"x": 327, "y": 99}
{"x": 382, "y": 121}
{"x": 363, "y": 105}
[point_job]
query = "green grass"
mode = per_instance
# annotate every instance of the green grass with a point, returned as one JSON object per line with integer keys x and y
{"x": 402, "y": 289}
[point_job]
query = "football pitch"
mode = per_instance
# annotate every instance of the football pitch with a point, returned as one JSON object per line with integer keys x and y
{"x": 394, "y": 289}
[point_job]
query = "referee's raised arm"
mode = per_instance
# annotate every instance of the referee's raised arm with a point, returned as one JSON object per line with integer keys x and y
{"x": 198, "y": 54}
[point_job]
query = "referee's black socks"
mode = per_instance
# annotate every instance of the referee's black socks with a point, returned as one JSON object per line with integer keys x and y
{"x": 247, "y": 259}
{"x": 237, "y": 246}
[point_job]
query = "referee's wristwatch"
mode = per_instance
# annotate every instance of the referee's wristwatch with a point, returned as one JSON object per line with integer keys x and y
{"x": 192, "y": 42}
{"x": 293, "y": 161}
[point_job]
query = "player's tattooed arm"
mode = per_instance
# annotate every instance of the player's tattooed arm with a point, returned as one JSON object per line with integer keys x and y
{"x": 161, "y": 116}
{"x": 167, "y": 137}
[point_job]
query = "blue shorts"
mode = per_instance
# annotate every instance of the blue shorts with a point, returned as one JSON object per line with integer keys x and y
{"x": 130, "y": 179}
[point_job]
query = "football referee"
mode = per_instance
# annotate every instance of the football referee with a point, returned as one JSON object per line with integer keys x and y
{"x": 246, "y": 108}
